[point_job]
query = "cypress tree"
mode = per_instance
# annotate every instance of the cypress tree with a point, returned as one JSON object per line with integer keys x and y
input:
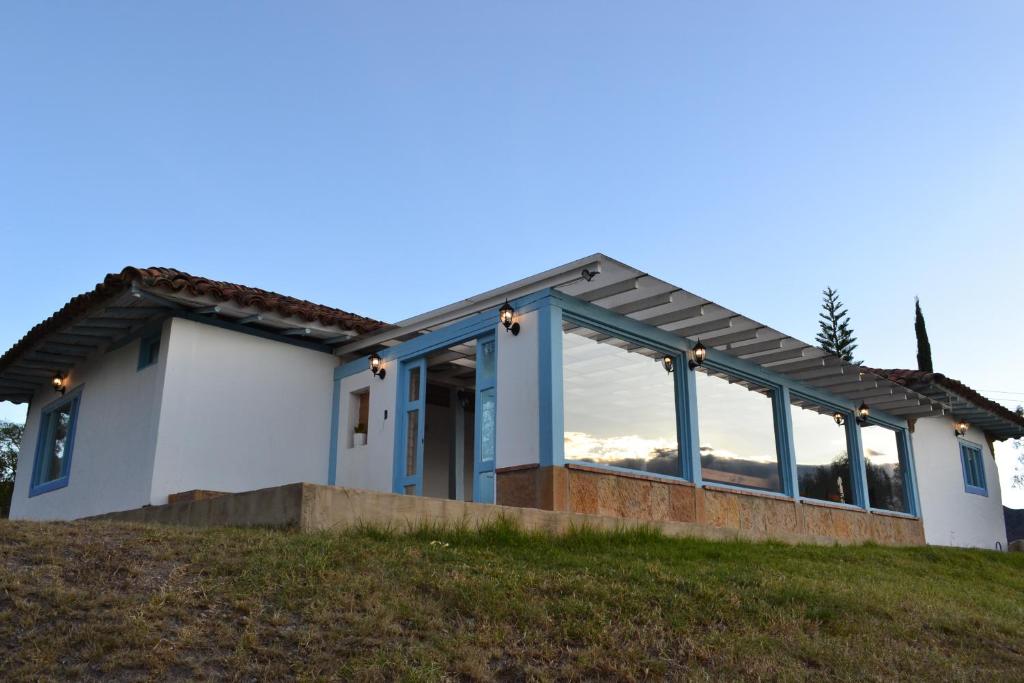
{"x": 835, "y": 336}
{"x": 924, "y": 347}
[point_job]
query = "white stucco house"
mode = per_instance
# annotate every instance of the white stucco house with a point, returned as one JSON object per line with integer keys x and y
{"x": 592, "y": 388}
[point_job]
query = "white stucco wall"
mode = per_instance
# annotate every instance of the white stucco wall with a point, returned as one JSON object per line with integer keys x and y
{"x": 370, "y": 466}
{"x": 518, "y": 400}
{"x": 115, "y": 437}
{"x": 951, "y": 515}
{"x": 240, "y": 412}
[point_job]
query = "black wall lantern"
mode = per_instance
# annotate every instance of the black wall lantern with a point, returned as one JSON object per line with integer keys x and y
{"x": 505, "y": 315}
{"x": 59, "y": 383}
{"x": 863, "y": 413}
{"x": 960, "y": 428}
{"x": 699, "y": 353}
{"x": 839, "y": 418}
{"x": 377, "y": 366}
{"x": 668, "y": 363}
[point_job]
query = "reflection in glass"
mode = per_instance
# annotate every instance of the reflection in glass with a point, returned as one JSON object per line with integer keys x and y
{"x": 57, "y": 424}
{"x": 737, "y": 433}
{"x": 487, "y": 424}
{"x": 886, "y": 488}
{"x": 485, "y": 371}
{"x": 414, "y": 384}
{"x": 412, "y": 433}
{"x": 822, "y": 461}
{"x": 620, "y": 405}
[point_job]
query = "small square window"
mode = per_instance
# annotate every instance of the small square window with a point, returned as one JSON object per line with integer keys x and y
{"x": 149, "y": 351}
{"x": 974, "y": 469}
{"x": 53, "y": 450}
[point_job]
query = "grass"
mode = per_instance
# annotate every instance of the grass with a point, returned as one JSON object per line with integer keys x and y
{"x": 124, "y": 602}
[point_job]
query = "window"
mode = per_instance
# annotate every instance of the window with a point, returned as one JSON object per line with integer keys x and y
{"x": 619, "y": 404}
{"x": 149, "y": 350}
{"x": 359, "y": 417}
{"x": 53, "y": 449}
{"x": 737, "y": 432}
{"x": 974, "y": 469}
{"x": 884, "y": 466}
{"x": 822, "y": 459}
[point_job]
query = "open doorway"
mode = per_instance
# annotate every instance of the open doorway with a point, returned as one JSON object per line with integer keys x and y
{"x": 448, "y": 428}
{"x": 448, "y": 440}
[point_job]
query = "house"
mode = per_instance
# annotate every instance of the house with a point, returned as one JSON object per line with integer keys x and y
{"x": 591, "y": 388}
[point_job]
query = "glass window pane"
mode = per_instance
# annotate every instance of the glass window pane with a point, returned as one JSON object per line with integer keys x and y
{"x": 884, "y": 470}
{"x": 58, "y": 423}
{"x": 487, "y": 424}
{"x": 485, "y": 372}
{"x": 822, "y": 461}
{"x": 737, "y": 434}
{"x": 412, "y": 433}
{"x": 619, "y": 405}
{"x": 414, "y": 383}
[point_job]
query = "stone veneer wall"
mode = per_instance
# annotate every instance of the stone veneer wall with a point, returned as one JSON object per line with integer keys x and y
{"x": 596, "y": 491}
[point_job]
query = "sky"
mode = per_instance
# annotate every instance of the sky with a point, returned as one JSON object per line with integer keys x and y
{"x": 388, "y": 158}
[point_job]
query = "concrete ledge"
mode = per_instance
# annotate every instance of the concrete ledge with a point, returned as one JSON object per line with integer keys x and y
{"x": 311, "y": 507}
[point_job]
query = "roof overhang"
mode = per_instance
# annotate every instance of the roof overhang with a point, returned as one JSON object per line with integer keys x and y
{"x": 620, "y": 288}
{"x": 124, "y": 306}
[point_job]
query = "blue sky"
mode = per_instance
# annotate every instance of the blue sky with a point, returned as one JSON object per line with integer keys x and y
{"x": 392, "y": 157}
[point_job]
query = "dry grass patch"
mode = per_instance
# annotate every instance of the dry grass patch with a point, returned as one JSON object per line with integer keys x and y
{"x": 122, "y": 602}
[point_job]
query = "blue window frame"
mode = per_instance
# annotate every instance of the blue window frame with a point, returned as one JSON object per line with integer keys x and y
{"x": 149, "y": 350}
{"x": 52, "y": 464}
{"x": 973, "y": 468}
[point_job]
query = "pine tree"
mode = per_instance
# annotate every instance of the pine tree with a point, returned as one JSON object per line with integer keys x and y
{"x": 835, "y": 336}
{"x": 924, "y": 348}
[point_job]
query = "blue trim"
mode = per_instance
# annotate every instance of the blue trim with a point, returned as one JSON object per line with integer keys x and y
{"x": 468, "y": 328}
{"x": 785, "y": 444}
{"x": 603, "y": 320}
{"x": 906, "y": 459}
{"x": 332, "y": 461}
{"x": 399, "y": 479}
{"x": 971, "y": 451}
{"x": 149, "y": 350}
{"x": 484, "y": 492}
{"x": 352, "y": 368}
{"x": 550, "y": 399}
{"x": 36, "y": 487}
{"x": 689, "y": 421}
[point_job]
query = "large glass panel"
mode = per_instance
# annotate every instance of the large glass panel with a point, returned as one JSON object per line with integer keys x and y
{"x": 737, "y": 433}
{"x": 619, "y": 404}
{"x": 55, "y": 446}
{"x": 412, "y": 435}
{"x": 487, "y": 398}
{"x": 886, "y": 486}
{"x": 414, "y": 384}
{"x": 822, "y": 460}
{"x": 485, "y": 372}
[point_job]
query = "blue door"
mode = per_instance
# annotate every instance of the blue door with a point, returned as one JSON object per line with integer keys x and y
{"x": 412, "y": 389}
{"x": 485, "y": 423}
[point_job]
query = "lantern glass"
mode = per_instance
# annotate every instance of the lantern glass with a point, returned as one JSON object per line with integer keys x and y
{"x": 375, "y": 363}
{"x": 505, "y": 314}
{"x": 668, "y": 363}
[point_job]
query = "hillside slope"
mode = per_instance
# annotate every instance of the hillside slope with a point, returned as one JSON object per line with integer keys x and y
{"x": 122, "y": 602}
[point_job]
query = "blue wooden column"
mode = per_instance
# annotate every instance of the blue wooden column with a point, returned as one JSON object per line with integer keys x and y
{"x": 549, "y": 364}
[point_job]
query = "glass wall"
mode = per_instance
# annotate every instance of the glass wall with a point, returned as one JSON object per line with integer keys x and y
{"x": 737, "y": 432}
{"x": 619, "y": 404}
{"x": 822, "y": 459}
{"x": 886, "y": 478}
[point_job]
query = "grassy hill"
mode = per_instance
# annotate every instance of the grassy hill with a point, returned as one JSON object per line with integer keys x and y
{"x": 123, "y": 602}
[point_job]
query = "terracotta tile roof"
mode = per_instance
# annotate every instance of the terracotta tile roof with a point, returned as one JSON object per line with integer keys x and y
{"x": 175, "y": 281}
{"x": 918, "y": 379}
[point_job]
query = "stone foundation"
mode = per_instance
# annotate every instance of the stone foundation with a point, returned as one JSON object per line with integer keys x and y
{"x": 636, "y": 496}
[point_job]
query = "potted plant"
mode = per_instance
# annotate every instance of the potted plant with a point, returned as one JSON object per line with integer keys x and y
{"x": 359, "y": 438}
